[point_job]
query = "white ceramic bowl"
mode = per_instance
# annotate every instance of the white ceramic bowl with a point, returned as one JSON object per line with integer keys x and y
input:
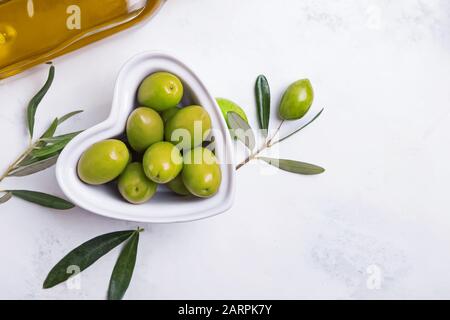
{"x": 164, "y": 207}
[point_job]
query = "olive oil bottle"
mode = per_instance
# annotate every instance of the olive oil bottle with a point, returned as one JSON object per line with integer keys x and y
{"x": 36, "y": 31}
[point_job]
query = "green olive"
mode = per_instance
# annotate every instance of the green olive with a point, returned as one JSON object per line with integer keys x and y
{"x": 103, "y": 162}
{"x": 177, "y": 186}
{"x": 169, "y": 113}
{"x": 201, "y": 172}
{"x": 189, "y": 127}
{"x": 296, "y": 100}
{"x": 144, "y": 128}
{"x": 134, "y": 186}
{"x": 160, "y": 91}
{"x": 229, "y": 106}
{"x": 162, "y": 162}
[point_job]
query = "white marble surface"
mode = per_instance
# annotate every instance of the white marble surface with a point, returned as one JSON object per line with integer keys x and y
{"x": 382, "y": 70}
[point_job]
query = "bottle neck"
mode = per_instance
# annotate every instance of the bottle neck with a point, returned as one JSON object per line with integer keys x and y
{"x": 134, "y": 5}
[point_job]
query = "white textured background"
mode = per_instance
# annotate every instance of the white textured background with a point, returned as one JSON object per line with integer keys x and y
{"x": 382, "y": 70}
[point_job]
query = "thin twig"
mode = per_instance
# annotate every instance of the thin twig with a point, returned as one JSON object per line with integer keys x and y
{"x": 139, "y": 230}
{"x": 266, "y": 145}
{"x": 17, "y": 161}
{"x": 269, "y": 142}
{"x": 301, "y": 128}
{"x": 252, "y": 156}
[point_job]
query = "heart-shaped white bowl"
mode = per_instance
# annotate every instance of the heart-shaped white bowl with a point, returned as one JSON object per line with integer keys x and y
{"x": 164, "y": 207}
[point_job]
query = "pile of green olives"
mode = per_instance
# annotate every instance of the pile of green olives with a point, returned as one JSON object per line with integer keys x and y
{"x": 163, "y": 145}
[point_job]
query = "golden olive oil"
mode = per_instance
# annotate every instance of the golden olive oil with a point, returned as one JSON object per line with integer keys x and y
{"x": 36, "y": 31}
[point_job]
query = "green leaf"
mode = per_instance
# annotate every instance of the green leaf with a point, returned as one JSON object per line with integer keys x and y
{"x": 262, "y": 94}
{"x": 34, "y": 167}
{"x": 50, "y": 149}
{"x": 5, "y": 197}
{"x": 68, "y": 116}
{"x": 67, "y": 136}
{"x": 51, "y": 130}
{"x": 240, "y": 129}
{"x": 123, "y": 270}
{"x": 293, "y": 166}
{"x": 43, "y": 199}
{"x": 31, "y": 160}
{"x": 34, "y": 103}
{"x": 301, "y": 128}
{"x": 48, "y": 134}
{"x": 44, "y": 151}
{"x": 85, "y": 255}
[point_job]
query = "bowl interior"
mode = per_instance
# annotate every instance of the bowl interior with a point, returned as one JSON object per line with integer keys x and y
{"x": 164, "y": 206}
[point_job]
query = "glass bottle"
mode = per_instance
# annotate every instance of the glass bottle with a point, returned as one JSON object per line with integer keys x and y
{"x": 36, "y": 31}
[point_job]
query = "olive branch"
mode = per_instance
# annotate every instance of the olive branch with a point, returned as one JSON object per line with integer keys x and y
{"x": 41, "y": 153}
{"x": 241, "y": 130}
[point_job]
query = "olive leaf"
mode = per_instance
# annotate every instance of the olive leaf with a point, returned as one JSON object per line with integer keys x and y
{"x": 293, "y": 166}
{"x": 241, "y": 129}
{"x": 63, "y": 137}
{"x": 50, "y": 149}
{"x": 51, "y": 130}
{"x": 48, "y": 133}
{"x": 44, "y": 151}
{"x": 5, "y": 197}
{"x": 42, "y": 199}
{"x": 123, "y": 269}
{"x": 301, "y": 128}
{"x": 34, "y": 103}
{"x": 68, "y": 116}
{"x": 262, "y": 94}
{"x": 31, "y": 159}
{"x": 48, "y": 137}
{"x": 85, "y": 255}
{"x": 34, "y": 167}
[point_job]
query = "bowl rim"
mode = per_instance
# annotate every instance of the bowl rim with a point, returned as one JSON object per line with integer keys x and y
{"x": 65, "y": 162}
